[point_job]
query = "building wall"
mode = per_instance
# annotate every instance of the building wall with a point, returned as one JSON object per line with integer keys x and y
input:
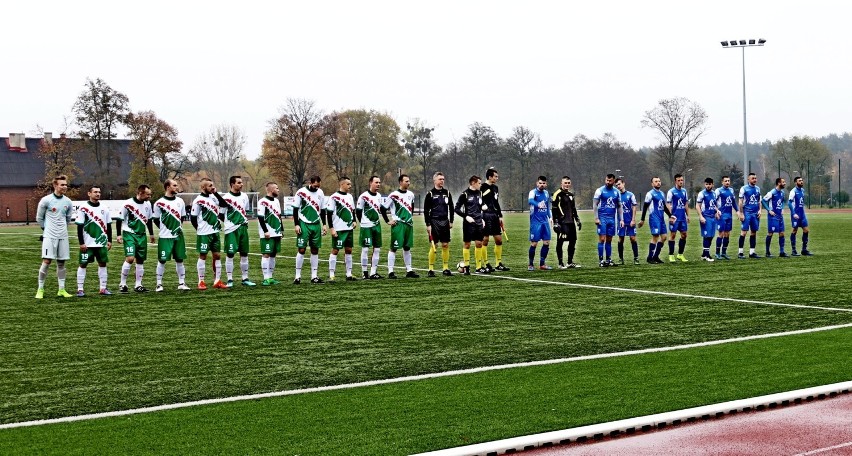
{"x": 16, "y": 201}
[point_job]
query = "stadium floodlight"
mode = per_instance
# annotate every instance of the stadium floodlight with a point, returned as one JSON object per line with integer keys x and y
{"x": 744, "y": 44}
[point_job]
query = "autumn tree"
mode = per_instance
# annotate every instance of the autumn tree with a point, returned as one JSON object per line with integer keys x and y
{"x": 99, "y": 112}
{"x": 218, "y": 152}
{"x": 58, "y": 155}
{"x": 421, "y": 149}
{"x": 798, "y": 153}
{"x": 156, "y": 151}
{"x": 294, "y": 142}
{"x": 679, "y": 123}
{"x": 374, "y": 147}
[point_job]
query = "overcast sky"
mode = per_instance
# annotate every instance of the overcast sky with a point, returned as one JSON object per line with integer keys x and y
{"x": 558, "y": 68}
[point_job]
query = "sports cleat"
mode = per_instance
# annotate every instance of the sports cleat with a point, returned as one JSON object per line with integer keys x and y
{"x": 123, "y": 289}
{"x": 183, "y": 287}
{"x": 501, "y": 267}
{"x": 768, "y": 255}
{"x": 530, "y": 268}
{"x": 636, "y": 261}
{"x": 682, "y": 258}
{"x": 274, "y": 282}
{"x": 574, "y": 266}
{"x": 317, "y": 280}
{"x": 783, "y": 255}
{"x": 105, "y": 292}
{"x": 481, "y": 271}
{"x": 545, "y": 267}
{"x": 140, "y": 289}
{"x": 718, "y": 257}
{"x": 795, "y": 253}
{"x": 64, "y": 294}
{"x": 725, "y": 256}
{"x": 375, "y": 276}
{"x": 447, "y": 272}
{"x": 297, "y": 281}
{"x": 466, "y": 270}
{"x": 39, "y": 293}
{"x": 741, "y": 256}
{"x": 81, "y": 294}
{"x": 248, "y": 283}
{"x": 392, "y": 275}
{"x": 753, "y": 255}
{"x": 219, "y": 285}
{"x": 431, "y": 273}
{"x": 672, "y": 259}
{"x": 611, "y": 264}
{"x": 650, "y": 260}
{"x": 366, "y": 275}
{"x": 159, "y": 288}
{"x": 807, "y": 253}
{"x": 707, "y": 258}
{"x": 489, "y": 268}
{"x": 412, "y": 275}
{"x": 266, "y": 282}
{"x": 229, "y": 284}
{"x": 603, "y": 264}
{"x": 351, "y": 279}
{"x": 562, "y": 266}
{"x": 202, "y": 285}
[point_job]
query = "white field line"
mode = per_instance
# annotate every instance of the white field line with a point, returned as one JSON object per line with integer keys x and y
{"x": 411, "y": 378}
{"x": 823, "y": 450}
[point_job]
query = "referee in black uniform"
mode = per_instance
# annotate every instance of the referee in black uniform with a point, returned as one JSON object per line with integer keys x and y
{"x": 493, "y": 216}
{"x": 564, "y": 216}
{"x": 439, "y": 216}
{"x": 469, "y": 207}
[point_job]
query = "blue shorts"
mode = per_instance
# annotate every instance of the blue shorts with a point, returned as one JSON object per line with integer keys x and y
{"x": 678, "y": 225}
{"x": 539, "y": 231}
{"x": 801, "y": 223}
{"x": 627, "y": 230}
{"x": 708, "y": 228}
{"x": 775, "y": 224}
{"x": 751, "y": 222}
{"x": 657, "y": 227}
{"x": 606, "y": 227}
{"x": 725, "y": 224}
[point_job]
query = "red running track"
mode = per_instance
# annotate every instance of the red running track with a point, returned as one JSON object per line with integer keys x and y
{"x": 821, "y": 427}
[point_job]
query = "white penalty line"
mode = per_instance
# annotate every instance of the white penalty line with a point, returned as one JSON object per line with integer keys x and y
{"x": 249, "y": 397}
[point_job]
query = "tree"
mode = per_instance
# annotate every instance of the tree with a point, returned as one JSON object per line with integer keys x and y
{"x": 99, "y": 112}
{"x": 480, "y": 142}
{"x": 733, "y": 171}
{"x": 336, "y": 144}
{"x": 522, "y": 147}
{"x": 156, "y": 151}
{"x": 374, "y": 147}
{"x": 218, "y": 152}
{"x": 256, "y": 174}
{"x": 421, "y": 148}
{"x": 294, "y": 142}
{"x": 58, "y": 156}
{"x": 797, "y": 153}
{"x": 680, "y": 123}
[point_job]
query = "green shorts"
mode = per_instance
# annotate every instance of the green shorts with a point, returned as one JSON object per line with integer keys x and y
{"x": 402, "y": 236}
{"x": 270, "y": 246}
{"x": 371, "y": 237}
{"x": 171, "y": 248}
{"x": 237, "y": 241}
{"x": 343, "y": 239}
{"x": 135, "y": 245}
{"x": 311, "y": 235}
{"x": 205, "y": 243}
{"x": 92, "y": 254}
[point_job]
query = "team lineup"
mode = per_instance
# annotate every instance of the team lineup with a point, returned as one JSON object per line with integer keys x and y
{"x": 316, "y": 215}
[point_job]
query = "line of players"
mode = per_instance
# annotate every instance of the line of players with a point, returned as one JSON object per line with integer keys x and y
{"x": 615, "y": 212}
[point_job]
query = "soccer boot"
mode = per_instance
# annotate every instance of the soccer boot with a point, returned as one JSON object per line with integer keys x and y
{"x": 795, "y": 253}
{"x": 140, "y": 289}
{"x": 562, "y": 266}
{"x": 366, "y": 275}
{"x": 806, "y": 252}
{"x": 274, "y": 282}
{"x": 545, "y": 267}
{"x": 105, "y": 292}
{"x": 81, "y": 294}
{"x": 573, "y": 266}
{"x": 611, "y": 263}
{"x": 375, "y": 276}
{"x": 248, "y": 283}
{"x": 317, "y": 281}
{"x": 412, "y": 275}
{"x": 219, "y": 285}
{"x": 707, "y": 258}
{"x": 783, "y": 255}
{"x": 530, "y": 268}
{"x": 39, "y": 293}
{"x": 266, "y": 282}
{"x": 202, "y": 286}
{"x": 489, "y": 268}
{"x": 741, "y": 256}
{"x": 725, "y": 256}
{"x": 229, "y": 284}
{"x": 636, "y": 261}
{"x": 682, "y": 258}
{"x": 603, "y": 264}
{"x": 466, "y": 270}
{"x": 431, "y": 273}
{"x": 64, "y": 294}
{"x": 718, "y": 256}
{"x": 183, "y": 287}
{"x": 672, "y": 259}
{"x": 392, "y": 275}
{"x": 501, "y": 267}
{"x": 768, "y": 255}
{"x": 123, "y": 289}
{"x": 753, "y": 256}
{"x": 650, "y": 260}
{"x": 351, "y": 279}
{"x": 159, "y": 288}
{"x": 447, "y": 272}
{"x": 481, "y": 271}
{"x": 297, "y": 281}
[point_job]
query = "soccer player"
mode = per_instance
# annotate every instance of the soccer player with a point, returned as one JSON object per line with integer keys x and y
{"x": 94, "y": 232}
{"x": 54, "y": 213}
{"x": 401, "y": 207}
{"x": 439, "y": 216}
{"x": 269, "y": 227}
{"x": 168, "y": 214}
{"x": 773, "y": 202}
{"x": 469, "y": 207}
{"x": 678, "y": 203}
{"x": 564, "y": 216}
{"x": 708, "y": 214}
{"x": 236, "y": 231}
{"x": 726, "y": 202}
{"x": 749, "y": 214}
{"x": 310, "y": 227}
{"x": 340, "y": 215}
{"x": 606, "y": 204}
{"x": 628, "y": 227}
{"x": 130, "y": 225}
{"x": 656, "y": 201}
{"x": 368, "y": 208}
{"x": 493, "y": 216}
{"x": 540, "y": 222}
{"x": 206, "y": 217}
{"x": 798, "y": 219}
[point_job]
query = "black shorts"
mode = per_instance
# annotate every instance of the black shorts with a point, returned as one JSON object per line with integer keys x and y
{"x": 492, "y": 224}
{"x": 441, "y": 231}
{"x": 472, "y": 232}
{"x": 567, "y": 232}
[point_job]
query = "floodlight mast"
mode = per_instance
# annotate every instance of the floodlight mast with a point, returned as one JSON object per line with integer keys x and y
{"x": 744, "y": 44}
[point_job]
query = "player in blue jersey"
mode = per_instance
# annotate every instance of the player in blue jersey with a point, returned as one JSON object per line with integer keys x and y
{"x": 708, "y": 215}
{"x": 678, "y": 203}
{"x": 749, "y": 214}
{"x": 540, "y": 222}
{"x": 773, "y": 202}
{"x": 628, "y": 228}
{"x": 797, "y": 216}
{"x": 726, "y": 202}
{"x": 655, "y": 200}
{"x": 606, "y": 206}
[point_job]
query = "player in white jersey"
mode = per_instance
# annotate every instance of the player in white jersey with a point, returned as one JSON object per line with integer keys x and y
{"x": 310, "y": 227}
{"x": 94, "y": 232}
{"x": 236, "y": 230}
{"x": 368, "y": 209}
{"x": 130, "y": 225}
{"x": 54, "y": 213}
{"x": 206, "y": 217}
{"x": 269, "y": 227}
{"x": 169, "y": 212}
{"x": 340, "y": 216}
{"x": 401, "y": 207}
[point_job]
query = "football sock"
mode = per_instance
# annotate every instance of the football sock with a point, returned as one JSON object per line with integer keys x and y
{"x": 498, "y": 253}
{"x": 244, "y": 266}
{"x": 201, "y": 267}
{"x": 752, "y": 242}
{"x": 406, "y": 257}
{"x": 229, "y": 267}
{"x": 102, "y": 277}
{"x": 300, "y": 260}
{"x": 793, "y": 241}
{"x": 781, "y": 243}
{"x": 571, "y": 247}
{"x": 42, "y": 275}
{"x": 161, "y": 269}
{"x": 272, "y": 262}
{"x": 61, "y": 272}
{"x": 391, "y": 260}
{"x": 544, "y": 249}
{"x": 559, "y": 243}
{"x": 768, "y": 243}
{"x": 140, "y": 271}
{"x": 477, "y": 252}
{"x": 804, "y": 241}
{"x": 125, "y": 271}
{"x": 466, "y": 257}
{"x": 608, "y": 249}
{"x": 81, "y": 278}
{"x": 445, "y": 256}
{"x": 671, "y": 247}
{"x": 181, "y": 272}
{"x": 635, "y": 246}
{"x": 347, "y": 258}
{"x": 719, "y": 245}
{"x": 621, "y": 250}
{"x": 600, "y": 250}
{"x": 314, "y": 265}
{"x": 651, "y": 247}
{"x": 532, "y": 255}
{"x": 376, "y": 257}
{"x": 742, "y": 243}
{"x": 484, "y": 255}
{"x": 432, "y": 258}
{"x": 659, "y": 249}
{"x": 725, "y": 243}
{"x": 264, "y": 267}
{"x": 681, "y": 246}
{"x": 332, "y": 264}
{"x": 364, "y": 254}
{"x": 217, "y": 270}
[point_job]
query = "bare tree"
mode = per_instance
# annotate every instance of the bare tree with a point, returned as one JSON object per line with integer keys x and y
{"x": 680, "y": 123}
{"x": 218, "y": 152}
{"x": 421, "y": 148}
{"x": 99, "y": 111}
{"x": 294, "y": 141}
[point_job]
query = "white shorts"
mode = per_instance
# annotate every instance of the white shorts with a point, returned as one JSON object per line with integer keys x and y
{"x": 55, "y": 249}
